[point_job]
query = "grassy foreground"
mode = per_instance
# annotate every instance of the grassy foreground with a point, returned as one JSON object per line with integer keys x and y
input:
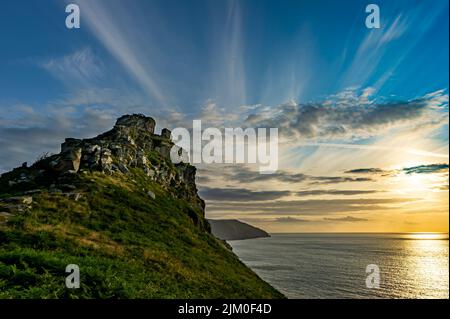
{"x": 126, "y": 244}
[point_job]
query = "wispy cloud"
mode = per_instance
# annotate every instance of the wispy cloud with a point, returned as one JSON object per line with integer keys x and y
{"x": 229, "y": 77}
{"x": 312, "y": 206}
{"x": 104, "y": 24}
{"x": 371, "y": 51}
{"x": 240, "y": 194}
{"x": 245, "y": 175}
{"x": 344, "y": 192}
{"x": 379, "y": 44}
{"x": 75, "y": 69}
{"x": 365, "y": 171}
{"x": 346, "y": 219}
{"x": 426, "y": 169}
{"x": 291, "y": 220}
{"x": 419, "y": 169}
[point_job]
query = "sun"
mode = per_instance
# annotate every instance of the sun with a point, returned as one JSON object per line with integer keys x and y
{"x": 418, "y": 184}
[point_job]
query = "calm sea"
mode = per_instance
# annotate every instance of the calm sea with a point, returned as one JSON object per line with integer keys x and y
{"x": 334, "y": 265}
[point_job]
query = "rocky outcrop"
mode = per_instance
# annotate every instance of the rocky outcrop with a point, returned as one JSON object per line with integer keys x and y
{"x": 130, "y": 144}
{"x": 12, "y": 205}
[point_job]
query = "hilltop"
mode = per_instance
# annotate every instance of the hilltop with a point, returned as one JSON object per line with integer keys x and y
{"x": 116, "y": 206}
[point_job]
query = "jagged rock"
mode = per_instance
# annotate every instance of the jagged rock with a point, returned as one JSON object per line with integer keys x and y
{"x": 23, "y": 178}
{"x": 24, "y": 200}
{"x": 67, "y": 187}
{"x": 106, "y": 160}
{"x": 27, "y": 200}
{"x": 149, "y": 172}
{"x": 5, "y": 214}
{"x": 163, "y": 175}
{"x": 75, "y": 196}
{"x": 16, "y": 204}
{"x": 141, "y": 160}
{"x": 4, "y": 217}
{"x": 166, "y": 133}
{"x": 165, "y": 151}
{"x": 123, "y": 168}
{"x": 69, "y": 158}
{"x": 138, "y": 121}
{"x": 93, "y": 148}
{"x": 13, "y": 208}
{"x": 33, "y": 191}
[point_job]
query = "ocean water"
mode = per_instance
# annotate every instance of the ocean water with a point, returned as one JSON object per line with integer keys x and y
{"x": 334, "y": 265}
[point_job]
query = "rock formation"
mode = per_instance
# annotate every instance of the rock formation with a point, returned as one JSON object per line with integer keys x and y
{"x": 132, "y": 143}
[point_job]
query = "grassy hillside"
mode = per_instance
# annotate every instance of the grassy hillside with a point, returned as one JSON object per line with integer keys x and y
{"x": 126, "y": 243}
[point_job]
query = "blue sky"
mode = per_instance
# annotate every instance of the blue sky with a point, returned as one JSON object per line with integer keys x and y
{"x": 241, "y": 52}
{"x": 344, "y": 97}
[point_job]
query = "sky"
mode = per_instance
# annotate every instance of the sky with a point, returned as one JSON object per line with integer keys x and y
{"x": 362, "y": 113}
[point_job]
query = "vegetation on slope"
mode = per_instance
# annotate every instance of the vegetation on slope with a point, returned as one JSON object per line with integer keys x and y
{"x": 127, "y": 245}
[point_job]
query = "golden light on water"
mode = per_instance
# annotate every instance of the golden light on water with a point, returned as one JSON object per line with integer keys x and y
{"x": 426, "y": 267}
{"x": 427, "y": 236}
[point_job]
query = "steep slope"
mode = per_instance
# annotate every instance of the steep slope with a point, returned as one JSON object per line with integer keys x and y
{"x": 233, "y": 229}
{"x": 118, "y": 208}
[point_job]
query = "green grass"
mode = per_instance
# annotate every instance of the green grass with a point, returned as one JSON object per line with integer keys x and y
{"x": 126, "y": 244}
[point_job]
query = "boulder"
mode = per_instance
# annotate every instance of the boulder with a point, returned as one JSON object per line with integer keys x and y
{"x": 166, "y": 133}
{"x": 24, "y": 200}
{"x": 138, "y": 121}
{"x": 151, "y": 194}
{"x": 164, "y": 150}
{"x": 123, "y": 168}
{"x": 70, "y": 157}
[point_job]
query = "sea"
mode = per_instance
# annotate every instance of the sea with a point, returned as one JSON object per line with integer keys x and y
{"x": 343, "y": 266}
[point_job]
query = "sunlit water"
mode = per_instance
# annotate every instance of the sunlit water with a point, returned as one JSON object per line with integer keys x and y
{"x": 334, "y": 265}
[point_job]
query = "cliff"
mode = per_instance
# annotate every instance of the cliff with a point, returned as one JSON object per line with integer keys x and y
{"x": 116, "y": 206}
{"x": 232, "y": 229}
